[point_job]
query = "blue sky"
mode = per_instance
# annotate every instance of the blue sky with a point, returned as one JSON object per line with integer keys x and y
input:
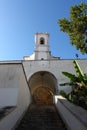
{"x": 21, "y": 19}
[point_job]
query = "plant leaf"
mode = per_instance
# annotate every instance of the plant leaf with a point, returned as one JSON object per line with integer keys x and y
{"x": 72, "y": 77}
{"x": 78, "y": 69}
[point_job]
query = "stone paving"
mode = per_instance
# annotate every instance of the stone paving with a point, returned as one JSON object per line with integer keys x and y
{"x": 41, "y": 117}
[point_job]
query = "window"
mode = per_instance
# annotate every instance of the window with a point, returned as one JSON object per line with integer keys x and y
{"x": 41, "y": 40}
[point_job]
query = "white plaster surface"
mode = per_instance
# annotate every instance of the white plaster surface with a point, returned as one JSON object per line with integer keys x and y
{"x": 75, "y": 117}
{"x": 8, "y": 96}
{"x": 55, "y": 67}
{"x": 16, "y": 92}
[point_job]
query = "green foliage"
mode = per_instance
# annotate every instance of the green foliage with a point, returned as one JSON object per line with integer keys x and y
{"x": 78, "y": 95}
{"x": 76, "y": 26}
{"x": 63, "y": 94}
{"x": 78, "y": 69}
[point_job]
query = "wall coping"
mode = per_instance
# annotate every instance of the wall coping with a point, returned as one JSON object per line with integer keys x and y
{"x": 77, "y": 111}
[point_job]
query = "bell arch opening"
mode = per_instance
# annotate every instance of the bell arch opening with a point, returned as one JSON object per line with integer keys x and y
{"x": 42, "y": 41}
{"x": 43, "y": 85}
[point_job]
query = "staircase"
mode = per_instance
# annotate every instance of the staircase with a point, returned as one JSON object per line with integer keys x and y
{"x": 41, "y": 117}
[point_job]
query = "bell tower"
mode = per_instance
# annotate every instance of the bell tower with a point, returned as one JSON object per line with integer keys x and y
{"x": 42, "y": 51}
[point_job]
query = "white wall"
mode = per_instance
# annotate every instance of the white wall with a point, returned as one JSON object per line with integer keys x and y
{"x": 75, "y": 117}
{"x": 55, "y": 67}
{"x": 12, "y": 80}
{"x": 8, "y": 96}
{"x": 21, "y": 98}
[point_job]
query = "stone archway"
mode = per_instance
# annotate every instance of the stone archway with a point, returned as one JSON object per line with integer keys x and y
{"x": 43, "y": 85}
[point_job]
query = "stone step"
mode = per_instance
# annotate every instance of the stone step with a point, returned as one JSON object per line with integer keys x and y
{"x": 41, "y": 117}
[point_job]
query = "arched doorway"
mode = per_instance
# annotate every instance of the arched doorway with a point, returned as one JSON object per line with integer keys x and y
{"x": 43, "y": 85}
{"x": 43, "y": 95}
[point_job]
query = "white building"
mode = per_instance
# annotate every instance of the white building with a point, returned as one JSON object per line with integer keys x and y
{"x": 35, "y": 79}
{"x": 44, "y": 72}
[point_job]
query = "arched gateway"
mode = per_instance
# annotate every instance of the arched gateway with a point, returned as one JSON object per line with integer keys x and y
{"x": 43, "y": 85}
